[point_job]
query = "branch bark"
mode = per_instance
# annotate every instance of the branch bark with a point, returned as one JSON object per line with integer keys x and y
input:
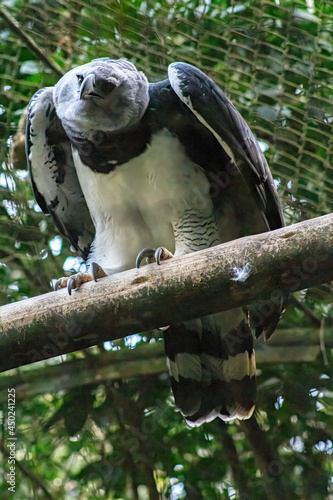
{"x": 256, "y": 268}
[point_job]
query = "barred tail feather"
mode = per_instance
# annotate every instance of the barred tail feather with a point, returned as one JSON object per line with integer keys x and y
{"x": 212, "y": 367}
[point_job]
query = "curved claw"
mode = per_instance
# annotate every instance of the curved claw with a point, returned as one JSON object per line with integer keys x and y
{"x": 70, "y": 285}
{"x": 146, "y": 252}
{"x": 60, "y": 283}
{"x": 158, "y": 255}
{"x": 56, "y": 286}
{"x": 97, "y": 271}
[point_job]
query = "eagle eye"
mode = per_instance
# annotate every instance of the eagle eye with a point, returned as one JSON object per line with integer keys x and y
{"x": 79, "y": 79}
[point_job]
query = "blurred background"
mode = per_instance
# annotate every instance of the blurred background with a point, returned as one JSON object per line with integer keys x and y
{"x": 120, "y": 437}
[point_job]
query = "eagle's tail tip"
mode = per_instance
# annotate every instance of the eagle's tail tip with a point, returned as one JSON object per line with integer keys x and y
{"x": 212, "y": 377}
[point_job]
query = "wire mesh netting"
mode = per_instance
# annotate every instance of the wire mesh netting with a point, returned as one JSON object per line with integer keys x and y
{"x": 272, "y": 58}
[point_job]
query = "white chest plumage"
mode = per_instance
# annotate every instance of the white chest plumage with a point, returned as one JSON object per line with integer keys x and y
{"x": 156, "y": 199}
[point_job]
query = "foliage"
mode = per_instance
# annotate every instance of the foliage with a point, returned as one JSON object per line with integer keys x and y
{"x": 123, "y": 439}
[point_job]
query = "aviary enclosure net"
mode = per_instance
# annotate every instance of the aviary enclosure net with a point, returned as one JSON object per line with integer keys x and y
{"x": 274, "y": 59}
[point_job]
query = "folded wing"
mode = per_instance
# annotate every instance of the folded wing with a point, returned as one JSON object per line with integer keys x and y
{"x": 54, "y": 178}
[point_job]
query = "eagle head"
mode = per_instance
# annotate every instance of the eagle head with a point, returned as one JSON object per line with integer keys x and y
{"x": 106, "y": 95}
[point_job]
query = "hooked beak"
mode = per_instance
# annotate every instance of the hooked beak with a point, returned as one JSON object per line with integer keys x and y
{"x": 87, "y": 90}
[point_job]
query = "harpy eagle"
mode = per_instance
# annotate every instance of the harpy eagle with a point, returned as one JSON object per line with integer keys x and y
{"x": 128, "y": 168}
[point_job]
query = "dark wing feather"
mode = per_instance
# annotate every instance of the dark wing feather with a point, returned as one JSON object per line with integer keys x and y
{"x": 53, "y": 175}
{"x": 213, "y": 109}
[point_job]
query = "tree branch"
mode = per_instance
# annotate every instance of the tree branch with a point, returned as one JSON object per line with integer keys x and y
{"x": 256, "y": 268}
{"x": 286, "y": 346}
{"x": 273, "y": 470}
{"x": 28, "y": 473}
{"x": 236, "y": 466}
{"x": 15, "y": 26}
